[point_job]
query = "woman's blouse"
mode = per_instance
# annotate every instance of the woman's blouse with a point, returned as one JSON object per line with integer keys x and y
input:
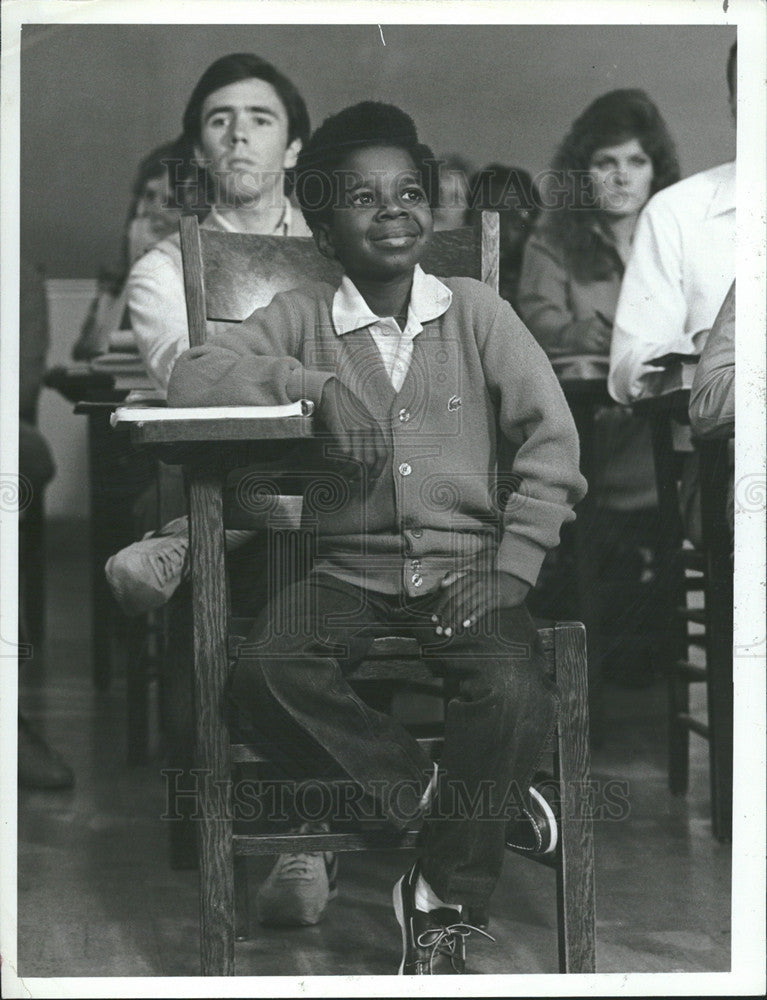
{"x": 570, "y": 315}
{"x": 567, "y": 314}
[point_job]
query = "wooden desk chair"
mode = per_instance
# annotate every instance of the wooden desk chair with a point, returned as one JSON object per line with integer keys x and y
{"x": 705, "y": 570}
{"x": 214, "y": 266}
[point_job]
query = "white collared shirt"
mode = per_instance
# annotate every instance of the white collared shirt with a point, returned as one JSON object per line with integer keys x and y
{"x": 283, "y": 228}
{"x": 429, "y": 299}
{"x": 681, "y": 266}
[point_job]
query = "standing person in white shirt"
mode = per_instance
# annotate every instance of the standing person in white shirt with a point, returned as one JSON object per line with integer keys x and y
{"x": 682, "y": 264}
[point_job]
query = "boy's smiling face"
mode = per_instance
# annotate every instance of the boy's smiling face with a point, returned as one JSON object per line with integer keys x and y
{"x": 382, "y": 221}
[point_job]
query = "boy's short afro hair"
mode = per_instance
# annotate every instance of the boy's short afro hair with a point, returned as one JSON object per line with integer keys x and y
{"x": 360, "y": 126}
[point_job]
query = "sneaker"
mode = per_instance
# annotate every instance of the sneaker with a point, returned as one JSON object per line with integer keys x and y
{"x": 143, "y": 576}
{"x": 298, "y": 888}
{"x": 537, "y": 831}
{"x": 432, "y": 943}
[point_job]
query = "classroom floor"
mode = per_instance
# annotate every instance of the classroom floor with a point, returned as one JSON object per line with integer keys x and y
{"x": 97, "y": 897}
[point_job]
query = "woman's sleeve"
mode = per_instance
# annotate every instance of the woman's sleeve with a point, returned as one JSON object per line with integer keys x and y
{"x": 544, "y": 305}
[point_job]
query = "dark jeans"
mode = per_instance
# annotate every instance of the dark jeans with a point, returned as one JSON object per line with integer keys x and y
{"x": 289, "y": 688}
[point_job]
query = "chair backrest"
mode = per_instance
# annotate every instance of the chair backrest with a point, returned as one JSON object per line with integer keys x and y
{"x": 228, "y": 275}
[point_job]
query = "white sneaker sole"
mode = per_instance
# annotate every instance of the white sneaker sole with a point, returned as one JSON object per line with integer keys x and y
{"x": 550, "y": 818}
{"x": 400, "y": 915}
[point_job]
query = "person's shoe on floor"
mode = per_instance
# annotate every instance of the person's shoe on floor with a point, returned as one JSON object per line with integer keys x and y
{"x": 40, "y": 767}
{"x": 434, "y": 934}
{"x": 536, "y": 830}
{"x": 299, "y": 886}
{"x": 143, "y": 576}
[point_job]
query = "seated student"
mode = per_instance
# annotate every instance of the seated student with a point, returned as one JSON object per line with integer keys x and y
{"x": 452, "y": 208}
{"x": 410, "y": 375}
{"x": 245, "y": 123}
{"x": 158, "y": 198}
{"x": 616, "y": 154}
{"x": 39, "y": 765}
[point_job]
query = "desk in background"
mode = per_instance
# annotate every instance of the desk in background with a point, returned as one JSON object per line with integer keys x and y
{"x": 118, "y": 473}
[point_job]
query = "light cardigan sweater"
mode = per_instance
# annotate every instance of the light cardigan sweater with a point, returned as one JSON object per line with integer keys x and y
{"x": 437, "y": 508}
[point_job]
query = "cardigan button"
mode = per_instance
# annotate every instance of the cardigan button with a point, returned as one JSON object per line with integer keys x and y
{"x": 404, "y": 415}
{"x": 405, "y": 469}
{"x": 417, "y": 532}
{"x": 417, "y": 579}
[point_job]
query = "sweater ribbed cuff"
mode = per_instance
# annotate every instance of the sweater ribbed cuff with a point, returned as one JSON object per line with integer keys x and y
{"x": 520, "y": 557}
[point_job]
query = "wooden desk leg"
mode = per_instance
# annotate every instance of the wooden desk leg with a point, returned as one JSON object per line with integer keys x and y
{"x": 714, "y": 477}
{"x": 719, "y": 693}
{"x": 209, "y": 610}
{"x": 670, "y": 588}
{"x": 102, "y": 605}
{"x": 587, "y": 570}
{"x": 575, "y": 873}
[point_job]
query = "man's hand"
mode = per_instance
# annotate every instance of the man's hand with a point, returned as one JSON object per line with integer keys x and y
{"x": 468, "y": 599}
{"x": 357, "y": 436}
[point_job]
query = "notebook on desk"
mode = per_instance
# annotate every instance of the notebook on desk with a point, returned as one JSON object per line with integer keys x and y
{"x": 674, "y": 358}
{"x": 156, "y": 410}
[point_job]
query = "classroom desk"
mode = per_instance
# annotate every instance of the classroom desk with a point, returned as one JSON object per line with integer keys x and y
{"x": 586, "y": 393}
{"x": 209, "y": 449}
{"x": 117, "y": 473}
{"x": 713, "y": 557}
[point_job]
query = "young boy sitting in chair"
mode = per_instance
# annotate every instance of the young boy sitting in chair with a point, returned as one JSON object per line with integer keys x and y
{"x": 413, "y": 378}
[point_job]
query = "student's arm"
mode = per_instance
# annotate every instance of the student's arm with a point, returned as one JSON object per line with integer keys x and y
{"x": 712, "y": 397}
{"x": 255, "y": 363}
{"x": 652, "y": 310}
{"x": 157, "y": 309}
{"x": 536, "y": 419}
{"x": 545, "y": 307}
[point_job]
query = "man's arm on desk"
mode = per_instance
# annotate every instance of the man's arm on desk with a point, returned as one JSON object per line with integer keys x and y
{"x": 652, "y": 310}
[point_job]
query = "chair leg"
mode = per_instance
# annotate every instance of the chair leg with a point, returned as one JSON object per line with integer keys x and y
{"x": 575, "y": 873}
{"x": 720, "y": 708}
{"x": 241, "y": 899}
{"x": 678, "y": 735}
{"x": 137, "y": 690}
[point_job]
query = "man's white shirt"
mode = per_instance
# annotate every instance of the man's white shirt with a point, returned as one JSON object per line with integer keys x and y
{"x": 681, "y": 267}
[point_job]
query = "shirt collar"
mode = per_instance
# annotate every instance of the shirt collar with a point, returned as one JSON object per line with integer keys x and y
{"x": 281, "y": 229}
{"x": 723, "y": 199}
{"x": 429, "y": 298}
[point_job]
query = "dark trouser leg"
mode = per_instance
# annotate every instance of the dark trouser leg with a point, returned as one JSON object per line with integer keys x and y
{"x": 289, "y": 688}
{"x": 496, "y": 729}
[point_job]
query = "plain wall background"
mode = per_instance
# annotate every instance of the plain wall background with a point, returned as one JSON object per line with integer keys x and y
{"x": 96, "y": 98}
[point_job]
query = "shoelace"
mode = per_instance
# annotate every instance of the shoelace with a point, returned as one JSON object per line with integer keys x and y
{"x": 169, "y": 560}
{"x": 295, "y": 864}
{"x": 446, "y": 940}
